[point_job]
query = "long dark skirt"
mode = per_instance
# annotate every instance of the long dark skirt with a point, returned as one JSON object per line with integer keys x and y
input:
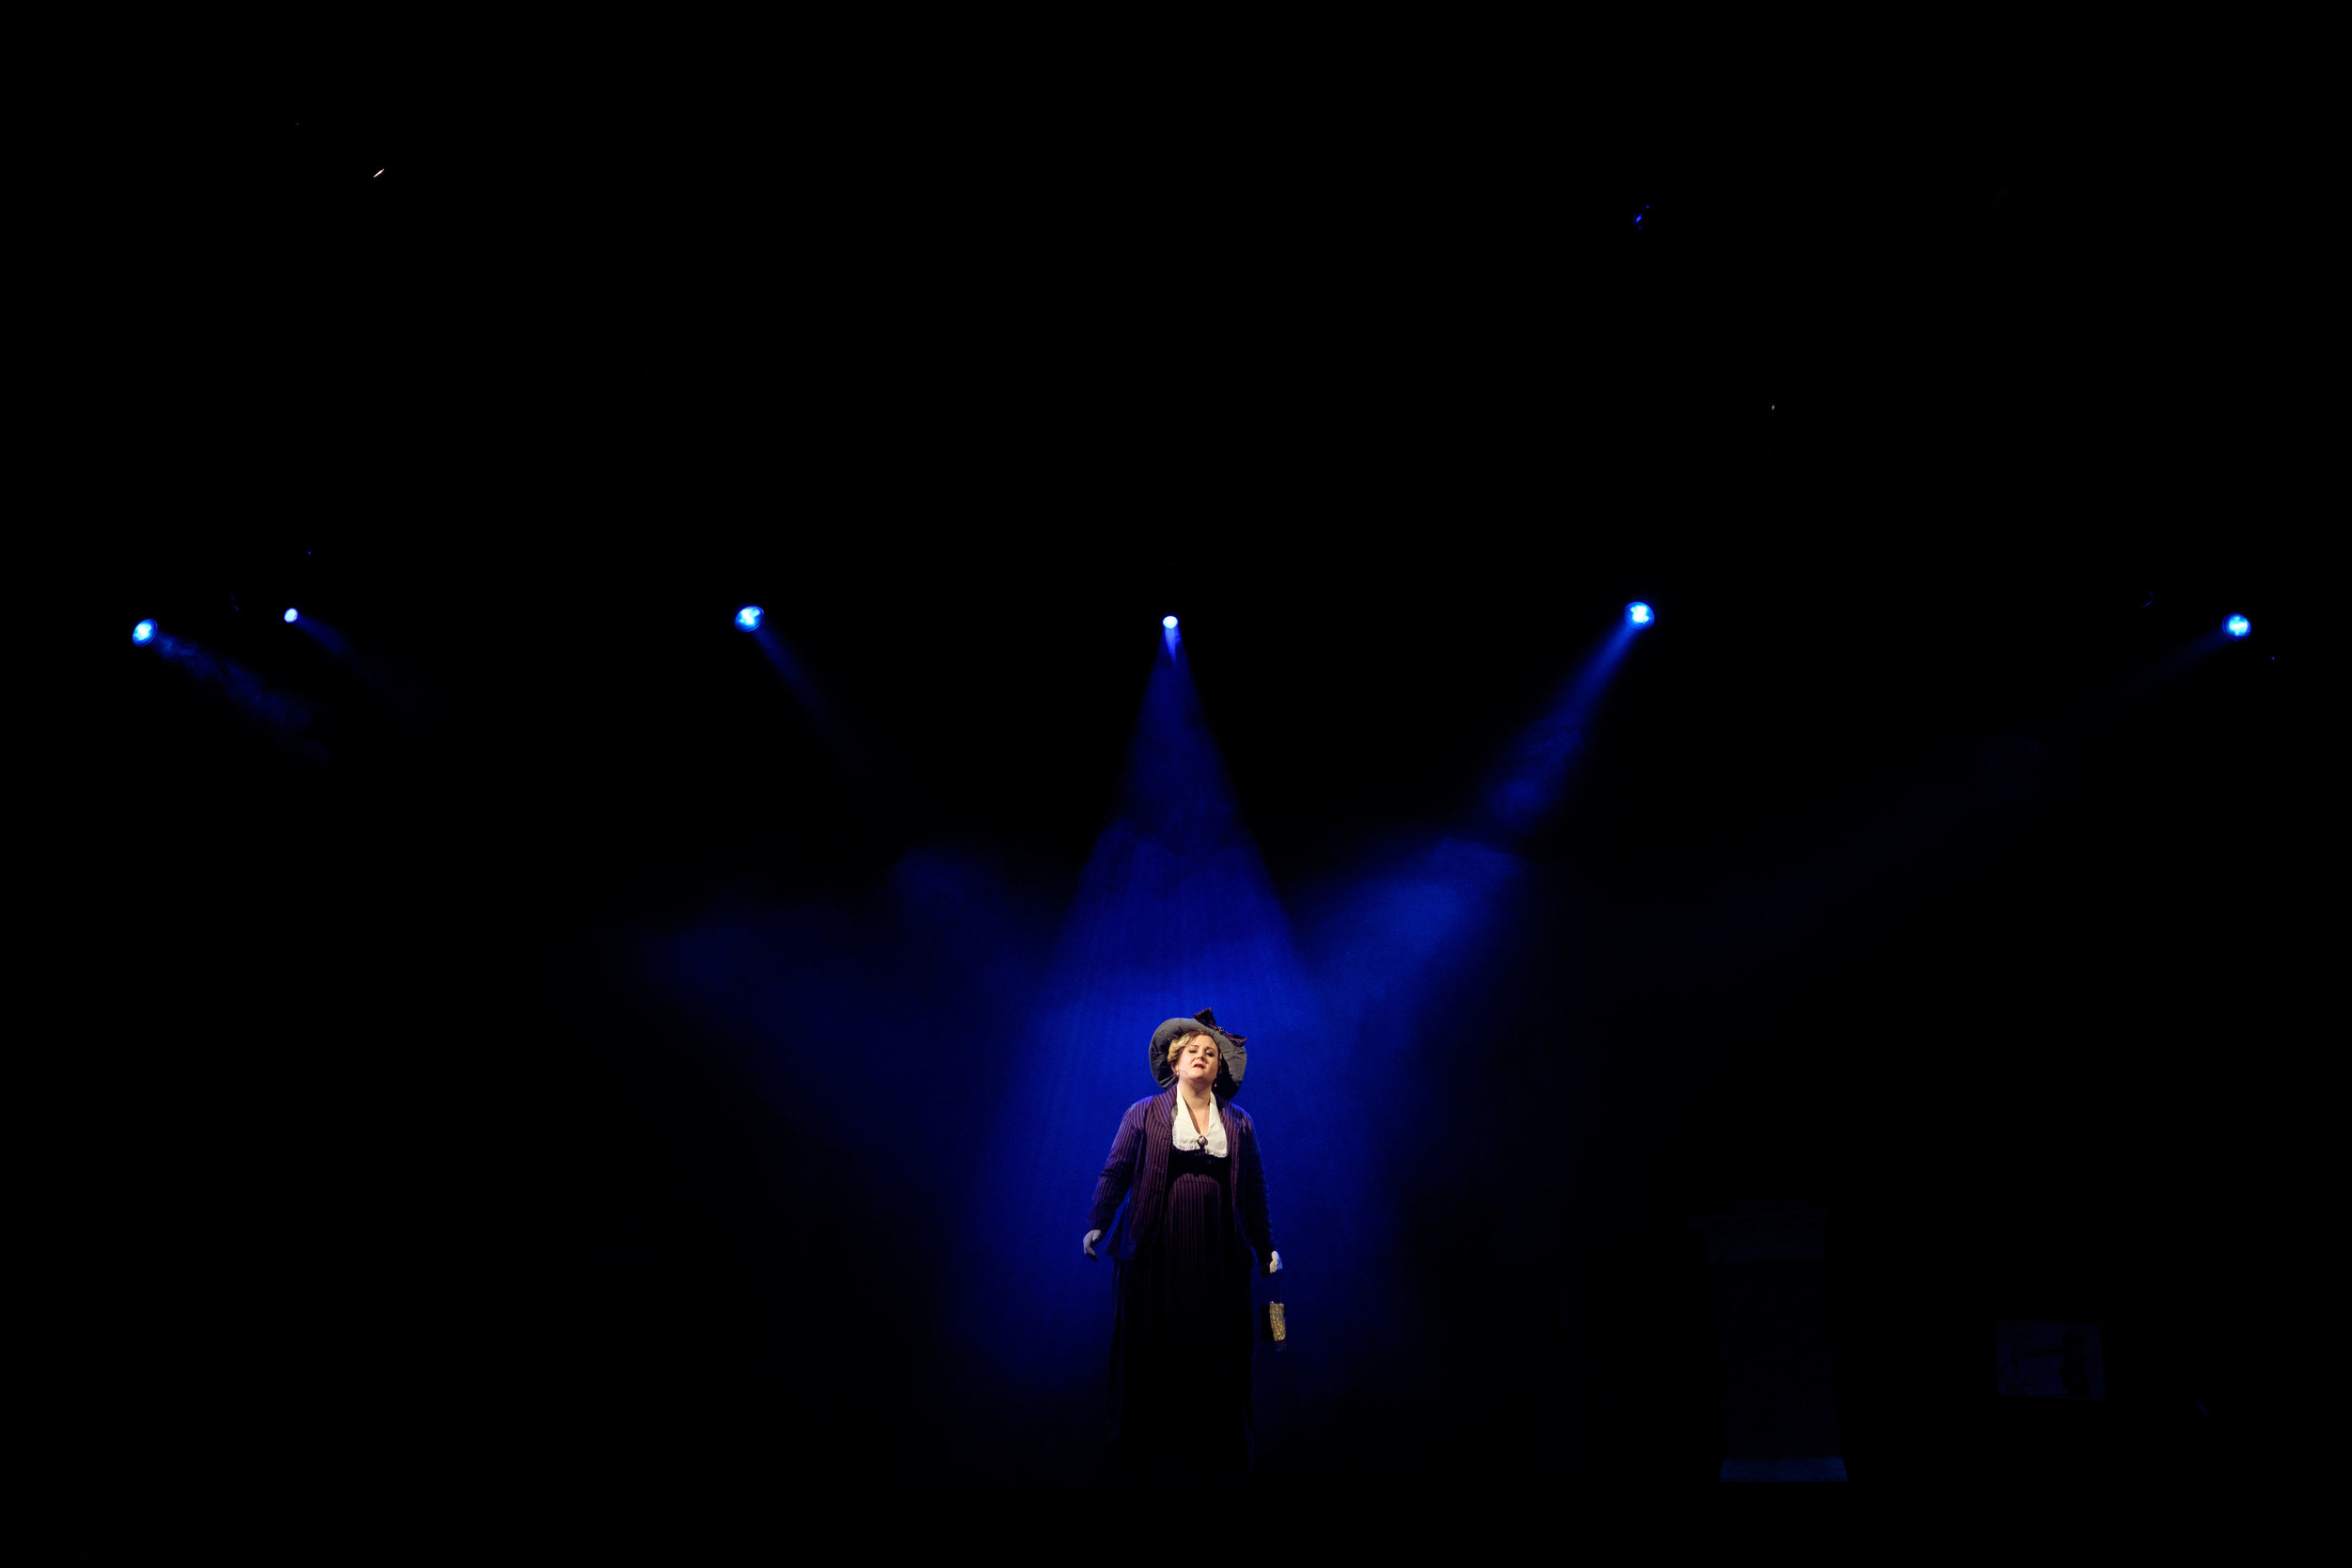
{"x": 1182, "y": 1338}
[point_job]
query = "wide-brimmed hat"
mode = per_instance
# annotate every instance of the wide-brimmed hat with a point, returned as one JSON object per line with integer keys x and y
{"x": 1232, "y": 1061}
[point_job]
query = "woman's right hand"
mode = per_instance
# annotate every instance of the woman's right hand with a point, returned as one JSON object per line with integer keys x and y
{"x": 1092, "y": 1236}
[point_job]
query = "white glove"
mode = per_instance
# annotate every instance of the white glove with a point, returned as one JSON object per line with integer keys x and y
{"x": 1274, "y": 1261}
{"x": 1092, "y": 1236}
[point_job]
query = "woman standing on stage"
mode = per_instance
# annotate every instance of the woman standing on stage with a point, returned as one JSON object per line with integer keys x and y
{"x": 1193, "y": 1228}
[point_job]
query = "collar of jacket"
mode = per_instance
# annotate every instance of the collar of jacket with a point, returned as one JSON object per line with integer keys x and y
{"x": 1164, "y": 1121}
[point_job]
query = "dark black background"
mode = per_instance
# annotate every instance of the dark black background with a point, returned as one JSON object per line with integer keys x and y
{"x": 1927, "y": 439}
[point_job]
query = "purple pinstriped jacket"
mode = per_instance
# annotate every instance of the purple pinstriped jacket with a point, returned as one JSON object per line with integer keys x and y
{"x": 1138, "y": 1166}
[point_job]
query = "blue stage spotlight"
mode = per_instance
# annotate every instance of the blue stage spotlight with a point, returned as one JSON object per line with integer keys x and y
{"x": 1168, "y": 620}
{"x": 748, "y": 617}
{"x": 291, "y": 616}
{"x": 1638, "y": 613}
{"x": 2238, "y": 625}
{"x": 143, "y": 633}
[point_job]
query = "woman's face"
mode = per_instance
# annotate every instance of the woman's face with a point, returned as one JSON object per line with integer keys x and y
{"x": 1195, "y": 1060}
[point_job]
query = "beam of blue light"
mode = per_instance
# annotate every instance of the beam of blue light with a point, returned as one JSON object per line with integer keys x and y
{"x": 2094, "y": 712}
{"x": 143, "y": 633}
{"x": 387, "y": 680}
{"x": 748, "y": 618}
{"x": 335, "y": 642}
{"x": 854, "y": 760}
{"x": 1638, "y": 613}
{"x": 787, "y": 664}
{"x": 947, "y": 953}
{"x": 1532, "y": 776}
{"x": 1174, "y": 911}
{"x": 291, "y": 616}
{"x": 284, "y": 714}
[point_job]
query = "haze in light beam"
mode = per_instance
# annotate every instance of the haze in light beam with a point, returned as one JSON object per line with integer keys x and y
{"x": 1174, "y": 912}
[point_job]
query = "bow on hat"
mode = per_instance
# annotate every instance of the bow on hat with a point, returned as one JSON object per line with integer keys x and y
{"x": 1231, "y": 1060}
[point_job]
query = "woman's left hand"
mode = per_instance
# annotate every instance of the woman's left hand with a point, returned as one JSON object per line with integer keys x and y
{"x": 1274, "y": 1261}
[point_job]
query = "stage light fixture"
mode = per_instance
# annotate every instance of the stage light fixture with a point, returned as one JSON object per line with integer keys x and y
{"x": 143, "y": 633}
{"x": 291, "y": 616}
{"x": 748, "y": 617}
{"x": 2238, "y": 625}
{"x": 1638, "y": 613}
{"x": 1168, "y": 620}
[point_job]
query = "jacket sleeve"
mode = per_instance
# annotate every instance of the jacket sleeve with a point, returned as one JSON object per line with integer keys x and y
{"x": 1256, "y": 1216}
{"x": 1118, "y": 1171}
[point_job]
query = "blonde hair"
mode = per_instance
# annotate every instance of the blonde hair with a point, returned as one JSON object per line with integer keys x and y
{"x": 1176, "y": 1046}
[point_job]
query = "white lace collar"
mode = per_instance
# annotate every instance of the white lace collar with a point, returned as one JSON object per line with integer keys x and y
{"x": 1213, "y": 1141}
